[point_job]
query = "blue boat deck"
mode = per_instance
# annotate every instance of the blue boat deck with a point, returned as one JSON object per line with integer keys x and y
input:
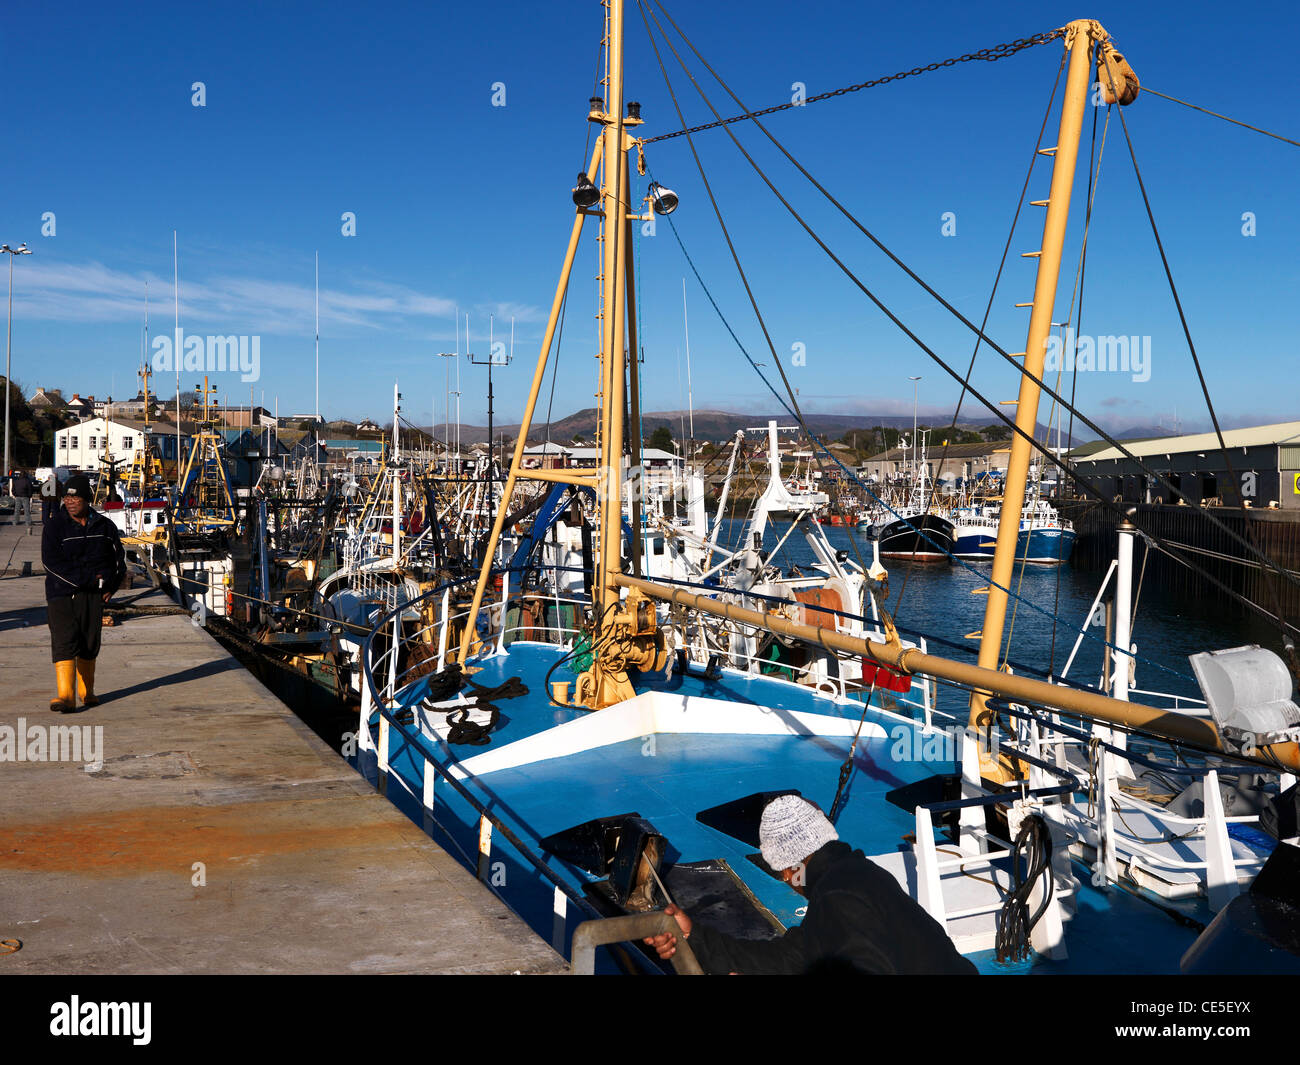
{"x": 669, "y": 778}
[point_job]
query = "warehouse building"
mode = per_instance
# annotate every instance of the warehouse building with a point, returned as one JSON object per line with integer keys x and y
{"x": 1264, "y": 459}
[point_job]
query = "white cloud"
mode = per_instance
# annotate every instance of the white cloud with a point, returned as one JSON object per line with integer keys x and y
{"x": 93, "y": 292}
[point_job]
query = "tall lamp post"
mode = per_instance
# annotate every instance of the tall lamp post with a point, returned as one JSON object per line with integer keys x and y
{"x": 447, "y": 409}
{"x": 22, "y": 249}
{"x": 491, "y": 360}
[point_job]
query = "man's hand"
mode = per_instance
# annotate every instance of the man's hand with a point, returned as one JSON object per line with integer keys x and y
{"x": 108, "y": 596}
{"x": 665, "y": 944}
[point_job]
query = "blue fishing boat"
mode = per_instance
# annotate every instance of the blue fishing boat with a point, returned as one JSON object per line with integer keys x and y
{"x": 598, "y": 750}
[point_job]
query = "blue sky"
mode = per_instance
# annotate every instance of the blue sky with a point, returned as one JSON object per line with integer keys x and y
{"x": 386, "y": 111}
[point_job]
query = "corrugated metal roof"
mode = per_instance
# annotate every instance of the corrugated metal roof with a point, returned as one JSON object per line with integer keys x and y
{"x": 1251, "y": 436}
{"x": 951, "y": 451}
{"x": 354, "y": 445}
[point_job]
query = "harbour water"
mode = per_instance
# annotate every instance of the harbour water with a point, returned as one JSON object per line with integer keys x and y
{"x": 940, "y": 603}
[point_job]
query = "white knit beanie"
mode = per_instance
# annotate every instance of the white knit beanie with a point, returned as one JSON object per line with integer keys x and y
{"x": 790, "y": 830}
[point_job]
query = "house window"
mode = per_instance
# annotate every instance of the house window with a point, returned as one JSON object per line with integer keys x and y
{"x": 63, "y": 444}
{"x": 72, "y": 442}
{"x": 127, "y": 442}
{"x": 90, "y": 443}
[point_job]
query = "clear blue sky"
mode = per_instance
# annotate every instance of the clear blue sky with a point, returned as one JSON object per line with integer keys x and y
{"x": 386, "y": 110}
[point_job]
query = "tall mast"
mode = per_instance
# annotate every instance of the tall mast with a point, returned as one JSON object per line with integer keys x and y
{"x": 1080, "y": 37}
{"x": 612, "y": 354}
{"x": 177, "y": 345}
{"x": 318, "y": 337}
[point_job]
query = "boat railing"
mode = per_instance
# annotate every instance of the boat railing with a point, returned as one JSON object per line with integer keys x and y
{"x": 376, "y": 699}
{"x": 1107, "y": 805}
{"x": 973, "y": 837}
{"x": 1186, "y": 704}
{"x": 813, "y": 674}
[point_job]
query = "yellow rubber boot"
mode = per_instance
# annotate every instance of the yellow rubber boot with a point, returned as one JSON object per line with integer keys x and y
{"x": 65, "y": 673}
{"x": 86, "y": 682}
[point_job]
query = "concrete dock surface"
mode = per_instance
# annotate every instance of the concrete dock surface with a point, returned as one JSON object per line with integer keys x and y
{"x": 218, "y": 834}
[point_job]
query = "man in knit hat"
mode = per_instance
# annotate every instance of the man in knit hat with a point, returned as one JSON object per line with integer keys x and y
{"x": 84, "y": 565}
{"x": 858, "y": 920}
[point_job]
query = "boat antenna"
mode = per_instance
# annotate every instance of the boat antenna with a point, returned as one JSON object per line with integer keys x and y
{"x": 690, "y": 395}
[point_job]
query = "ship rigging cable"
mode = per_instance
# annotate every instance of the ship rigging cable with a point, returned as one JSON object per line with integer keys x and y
{"x": 1200, "y": 376}
{"x": 988, "y": 55}
{"x": 936, "y": 358}
{"x": 1105, "y": 502}
{"x": 1249, "y": 546}
{"x": 988, "y": 309}
{"x": 1215, "y": 114}
{"x": 753, "y": 302}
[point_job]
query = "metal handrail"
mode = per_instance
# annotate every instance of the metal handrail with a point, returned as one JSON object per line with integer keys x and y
{"x": 634, "y": 927}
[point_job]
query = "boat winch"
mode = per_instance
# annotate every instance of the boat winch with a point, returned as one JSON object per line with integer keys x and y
{"x": 631, "y": 638}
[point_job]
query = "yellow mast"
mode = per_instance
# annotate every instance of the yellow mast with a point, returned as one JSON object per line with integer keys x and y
{"x": 1080, "y": 37}
{"x": 613, "y": 358}
{"x": 625, "y": 635}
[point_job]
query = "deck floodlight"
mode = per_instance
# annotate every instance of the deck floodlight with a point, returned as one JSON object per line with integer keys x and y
{"x": 1248, "y": 692}
{"x": 664, "y": 201}
{"x": 585, "y": 194}
{"x": 634, "y": 110}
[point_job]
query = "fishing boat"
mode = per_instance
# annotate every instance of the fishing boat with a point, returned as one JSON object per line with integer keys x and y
{"x": 975, "y": 531}
{"x": 596, "y": 766}
{"x": 1045, "y": 537}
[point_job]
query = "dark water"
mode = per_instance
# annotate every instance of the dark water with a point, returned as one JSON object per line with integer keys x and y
{"x": 937, "y": 602}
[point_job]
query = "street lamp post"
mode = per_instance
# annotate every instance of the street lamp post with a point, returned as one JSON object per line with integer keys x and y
{"x": 914, "y": 381}
{"x": 22, "y": 249}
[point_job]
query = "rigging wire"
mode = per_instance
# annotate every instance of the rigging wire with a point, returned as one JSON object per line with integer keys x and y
{"x": 1220, "y": 525}
{"x": 1094, "y": 179}
{"x": 1006, "y": 250}
{"x": 1207, "y": 111}
{"x": 990, "y": 55}
{"x": 1088, "y": 488}
{"x": 1287, "y": 643}
{"x": 717, "y": 212}
{"x": 555, "y": 367}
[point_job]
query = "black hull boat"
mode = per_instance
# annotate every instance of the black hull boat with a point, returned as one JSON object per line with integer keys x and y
{"x": 920, "y": 538}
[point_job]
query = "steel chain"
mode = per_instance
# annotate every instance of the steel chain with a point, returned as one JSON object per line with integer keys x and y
{"x": 989, "y": 55}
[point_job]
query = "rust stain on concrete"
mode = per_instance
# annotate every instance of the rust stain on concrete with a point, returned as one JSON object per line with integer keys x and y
{"x": 158, "y": 838}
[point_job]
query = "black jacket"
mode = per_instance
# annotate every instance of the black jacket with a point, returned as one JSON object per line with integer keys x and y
{"x": 81, "y": 558}
{"x": 859, "y": 921}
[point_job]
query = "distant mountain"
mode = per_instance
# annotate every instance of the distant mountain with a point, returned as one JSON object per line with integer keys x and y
{"x": 717, "y": 425}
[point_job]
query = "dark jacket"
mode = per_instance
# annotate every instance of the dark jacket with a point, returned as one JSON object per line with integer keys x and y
{"x": 859, "y": 921}
{"x": 20, "y": 487}
{"x": 81, "y": 558}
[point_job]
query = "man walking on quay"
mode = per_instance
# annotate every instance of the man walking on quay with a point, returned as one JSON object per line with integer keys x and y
{"x": 20, "y": 489}
{"x": 84, "y": 565}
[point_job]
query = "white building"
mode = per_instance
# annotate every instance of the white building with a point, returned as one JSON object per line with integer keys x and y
{"x": 82, "y": 446}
